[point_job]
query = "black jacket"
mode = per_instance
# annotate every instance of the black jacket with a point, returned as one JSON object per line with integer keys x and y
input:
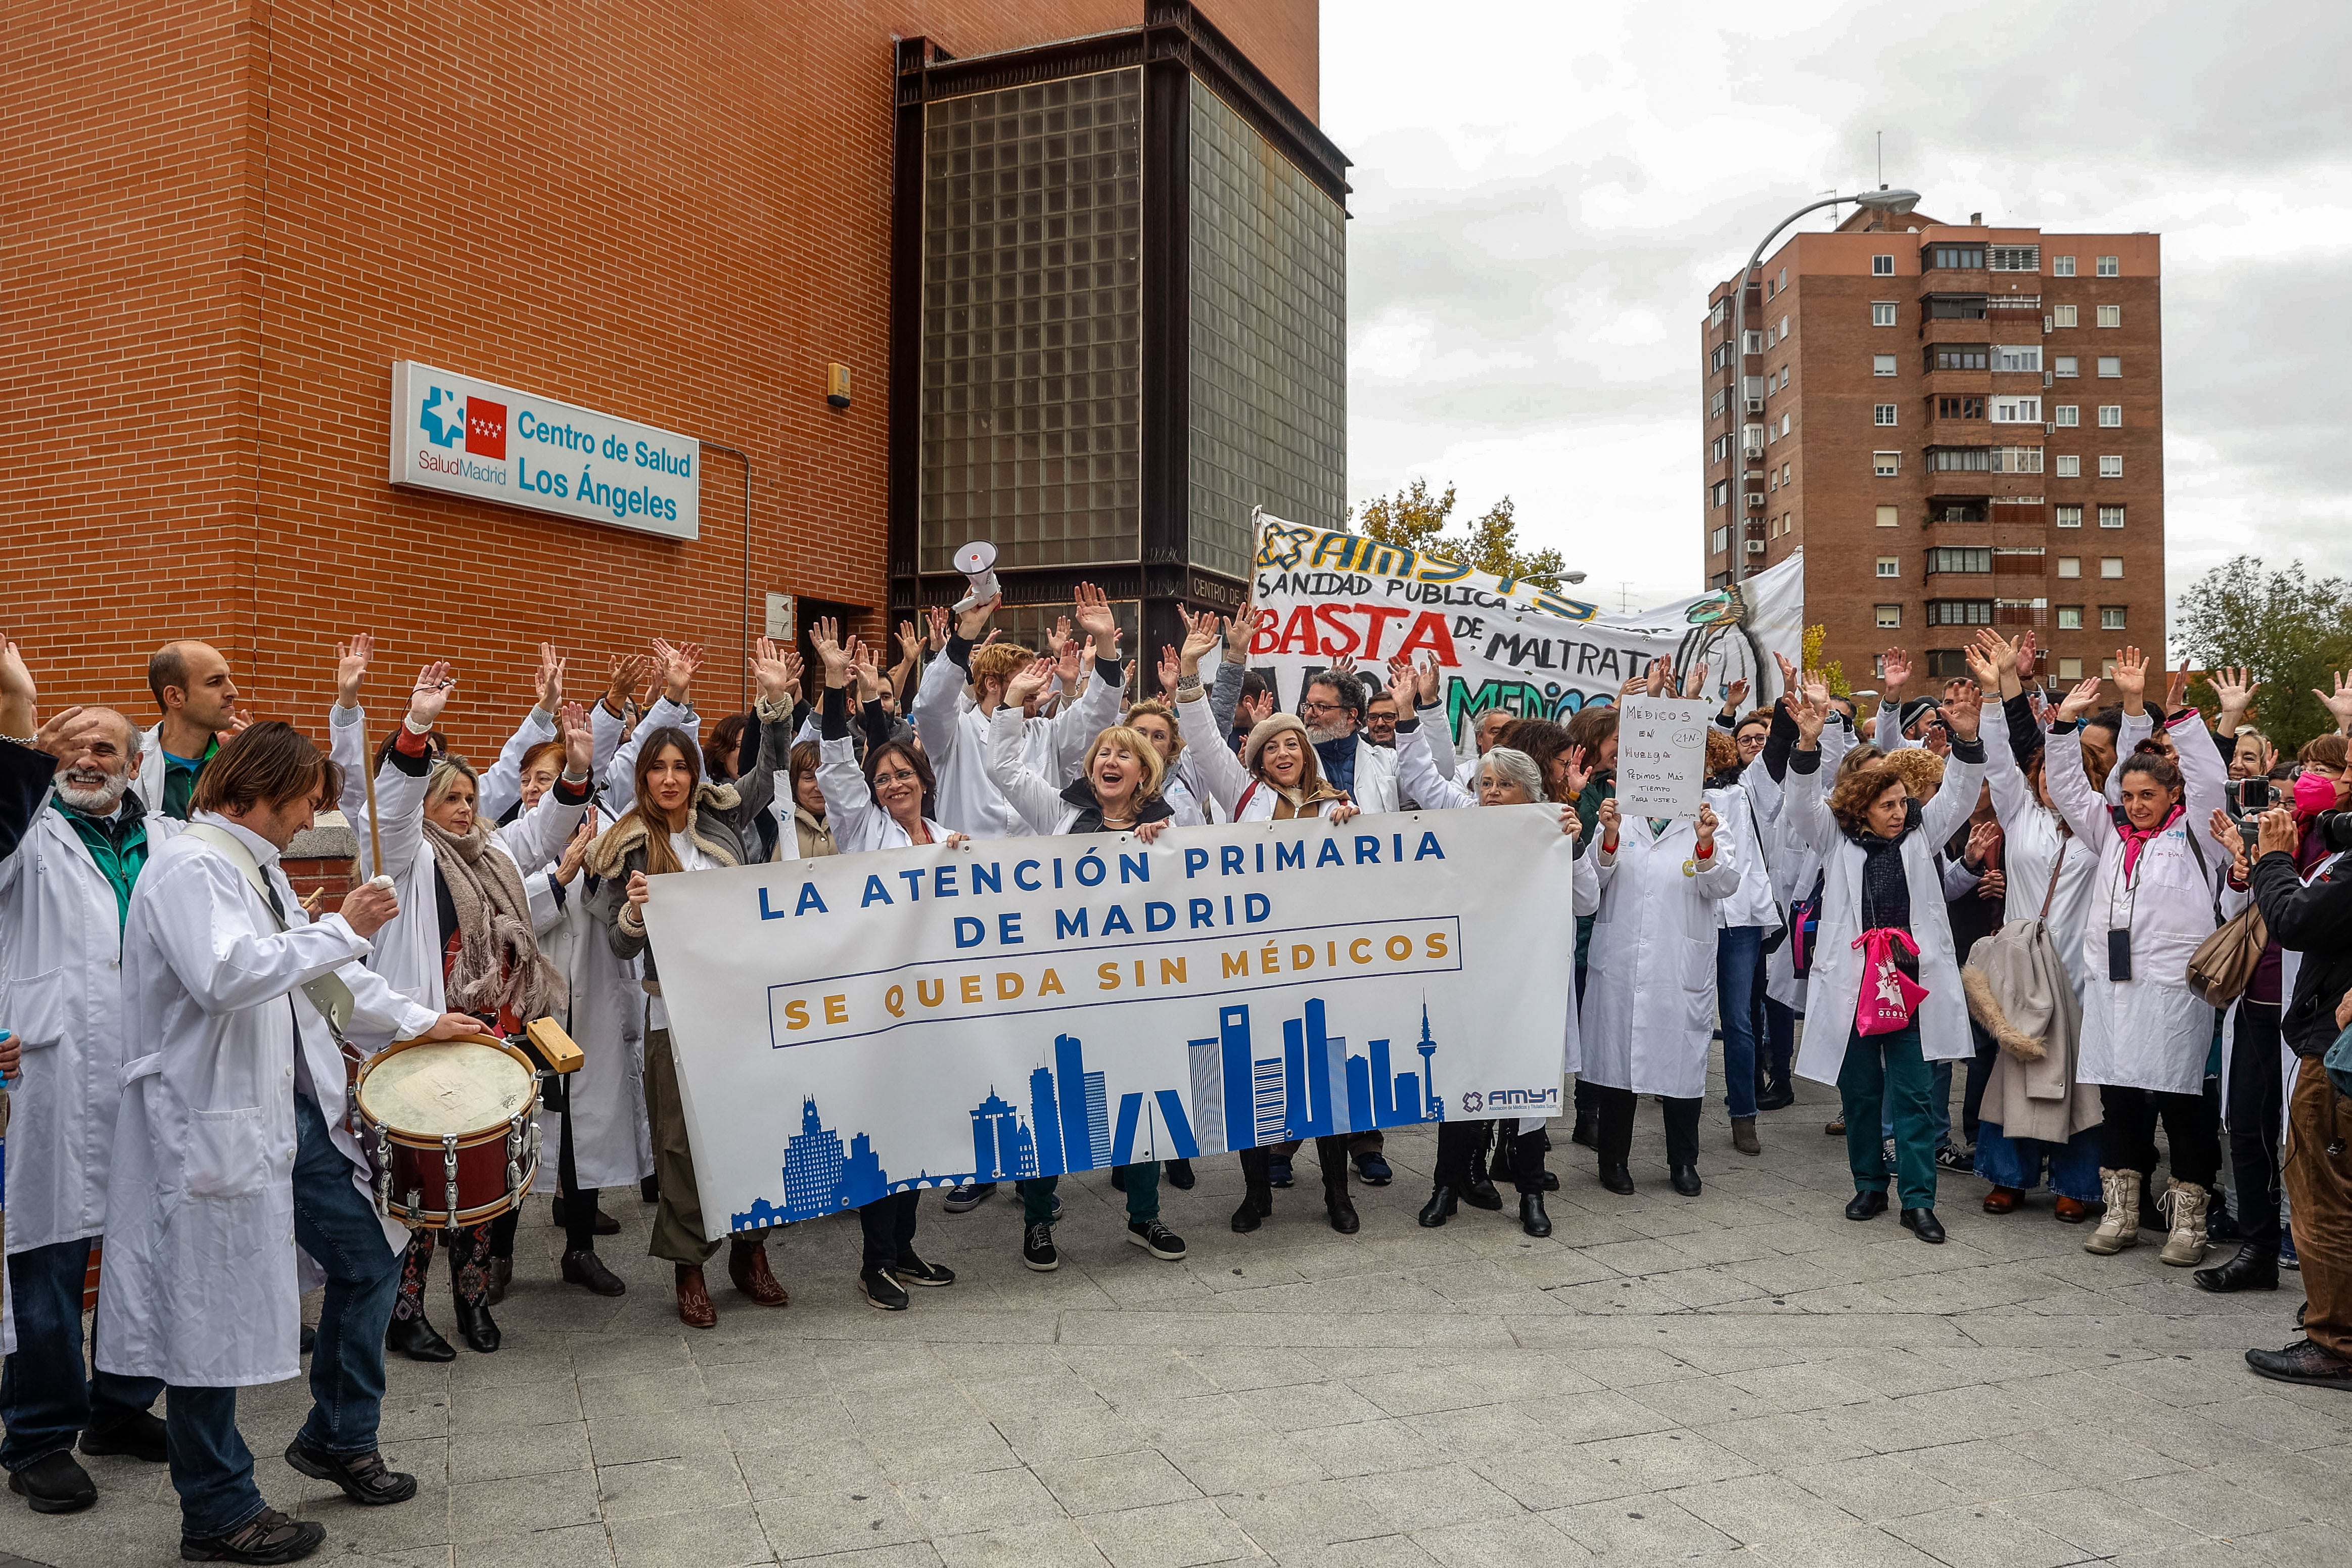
{"x": 2315, "y": 921}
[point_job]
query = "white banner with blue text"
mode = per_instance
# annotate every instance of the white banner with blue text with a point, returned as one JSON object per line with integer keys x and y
{"x": 863, "y": 1025}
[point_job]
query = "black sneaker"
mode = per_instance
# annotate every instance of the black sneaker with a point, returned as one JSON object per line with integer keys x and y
{"x": 968, "y": 1196}
{"x": 1037, "y": 1248}
{"x": 364, "y": 1477}
{"x": 136, "y": 1437}
{"x": 1372, "y": 1170}
{"x": 1277, "y": 1172}
{"x": 912, "y": 1271}
{"x": 1952, "y": 1157}
{"x": 55, "y": 1483}
{"x": 882, "y": 1290}
{"x": 1155, "y": 1238}
{"x": 267, "y": 1537}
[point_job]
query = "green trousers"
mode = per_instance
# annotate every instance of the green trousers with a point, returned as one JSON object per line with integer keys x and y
{"x": 1142, "y": 1193}
{"x": 1887, "y": 1069}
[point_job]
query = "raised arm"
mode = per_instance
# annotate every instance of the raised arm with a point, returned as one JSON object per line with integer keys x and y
{"x": 1418, "y": 774}
{"x": 1037, "y": 798}
{"x": 1964, "y": 768}
{"x": 1888, "y": 728}
{"x": 1805, "y": 805}
{"x": 399, "y": 781}
{"x": 538, "y": 836}
{"x": 2062, "y": 771}
{"x": 1220, "y": 773}
{"x": 501, "y": 785}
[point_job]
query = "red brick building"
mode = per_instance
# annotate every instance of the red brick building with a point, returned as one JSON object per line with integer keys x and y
{"x": 1960, "y": 425}
{"x": 225, "y": 222}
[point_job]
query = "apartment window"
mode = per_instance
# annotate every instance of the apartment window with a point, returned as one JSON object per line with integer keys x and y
{"x": 1720, "y": 541}
{"x": 1753, "y": 341}
{"x": 1718, "y": 449}
{"x": 1960, "y": 407}
{"x": 2111, "y": 416}
{"x": 1714, "y": 404}
{"x": 2110, "y": 565}
{"x": 1955, "y": 258}
{"x": 1959, "y": 611}
{"x": 1784, "y": 329}
{"x": 2069, "y": 468}
{"x": 2070, "y": 566}
{"x": 1890, "y": 616}
{"x": 1956, "y": 308}
{"x": 1890, "y": 517}
{"x": 2070, "y": 517}
{"x": 1953, "y": 359}
{"x": 1772, "y": 482}
{"x": 2062, "y": 267}
{"x": 2067, "y": 415}
{"x": 2111, "y": 467}
{"x": 1882, "y": 267}
{"x": 1719, "y": 493}
{"x": 1974, "y": 558}
{"x": 2110, "y": 617}
{"x": 1882, "y": 312}
{"x": 1784, "y": 423}
{"x": 1784, "y": 277}
{"x": 2018, "y": 356}
{"x": 2110, "y": 315}
{"x": 1784, "y": 378}
{"x": 1960, "y": 459}
{"x": 1886, "y": 465}
{"x": 2017, "y": 411}
{"x": 2107, "y": 267}
{"x": 2070, "y": 619}
{"x": 2109, "y": 517}
{"x": 2062, "y": 316}
{"x": 2017, "y": 460}
{"x": 2107, "y": 669}
{"x": 1720, "y": 314}
{"x": 1890, "y": 566}
{"x": 1720, "y": 357}
{"x": 2014, "y": 257}
{"x": 2064, "y": 365}
{"x": 1882, "y": 414}
{"x": 2110, "y": 366}
{"x": 1785, "y": 470}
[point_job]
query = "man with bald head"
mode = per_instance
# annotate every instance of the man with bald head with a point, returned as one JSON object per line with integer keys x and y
{"x": 198, "y": 697}
{"x": 74, "y": 836}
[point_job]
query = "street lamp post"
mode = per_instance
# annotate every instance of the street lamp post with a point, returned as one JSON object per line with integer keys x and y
{"x": 1880, "y": 200}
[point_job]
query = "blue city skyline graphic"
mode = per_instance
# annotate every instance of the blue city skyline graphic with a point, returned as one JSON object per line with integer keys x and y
{"x": 1307, "y": 1087}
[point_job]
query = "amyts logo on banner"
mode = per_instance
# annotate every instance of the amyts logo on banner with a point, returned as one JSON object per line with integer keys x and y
{"x": 1018, "y": 1008}
{"x": 1503, "y": 643}
{"x": 460, "y": 435}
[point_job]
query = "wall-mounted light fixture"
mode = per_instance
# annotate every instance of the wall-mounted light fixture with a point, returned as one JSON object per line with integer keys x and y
{"x": 836, "y": 385}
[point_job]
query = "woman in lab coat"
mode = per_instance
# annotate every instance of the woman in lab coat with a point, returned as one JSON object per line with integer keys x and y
{"x": 2146, "y": 1034}
{"x": 1878, "y": 852}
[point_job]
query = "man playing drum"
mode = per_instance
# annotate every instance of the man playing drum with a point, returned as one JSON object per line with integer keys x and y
{"x": 231, "y": 1151}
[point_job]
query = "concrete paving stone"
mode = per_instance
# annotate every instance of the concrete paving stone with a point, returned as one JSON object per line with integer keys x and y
{"x": 1757, "y": 1509}
{"x": 727, "y": 1537}
{"x": 1171, "y": 1535}
{"x": 818, "y": 1524}
{"x": 1772, "y": 1440}
{"x": 2100, "y": 1524}
{"x": 1523, "y": 1538}
{"x": 576, "y": 1546}
{"x": 1232, "y": 1465}
{"x": 1114, "y": 1482}
{"x": 2303, "y": 1546}
{"x": 1662, "y": 1460}
{"x": 1859, "y": 1546}
{"x": 639, "y": 1394}
{"x": 2282, "y": 1422}
{"x": 1363, "y": 1448}
{"x": 503, "y": 1452}
{"x": 1282, "y": 1520}
{"x": 524, "y": 1505}
{"x": 953, "y": 1501}
{"x": 1423, "y": 1499}
{"x": 1879, "y": 1487}
{"x": 1294, "y": 1407}
{"x": 670, "y": 1486}
{"x": 1043, "y": 1543}
{"x": 1638, "y": 1532}
{"x": 665, "y": 1435}
{"x": 1377, "y": 1551}
{"x": 1042, "y": 1438}
{"x": 1234, "y": 1368}
{"x": 1984, "y": 1537}
{"x": 520, "y": 1404}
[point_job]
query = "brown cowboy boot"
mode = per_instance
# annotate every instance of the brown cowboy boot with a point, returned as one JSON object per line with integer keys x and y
{"x": 693, "y": 1308}
{"x": 747, "y": 1264}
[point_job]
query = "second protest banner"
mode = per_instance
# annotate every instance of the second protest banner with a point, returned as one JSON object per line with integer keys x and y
{"x": 857, "y": 1026}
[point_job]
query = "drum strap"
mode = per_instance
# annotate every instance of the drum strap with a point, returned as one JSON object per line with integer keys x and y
{"x": 328, "y": 992}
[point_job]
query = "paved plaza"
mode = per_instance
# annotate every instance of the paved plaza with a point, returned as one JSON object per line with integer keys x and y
{"x": 1662, "y": 1380}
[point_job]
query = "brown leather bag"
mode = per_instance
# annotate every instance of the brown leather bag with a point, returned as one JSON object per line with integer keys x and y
{"x": 2224, "y": 965}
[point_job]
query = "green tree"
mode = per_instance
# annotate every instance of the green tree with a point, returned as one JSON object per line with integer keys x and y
{"x": 1832, "y": 673}
{"x": 2292, "y": 628}
{"x": 1415, "y": 519}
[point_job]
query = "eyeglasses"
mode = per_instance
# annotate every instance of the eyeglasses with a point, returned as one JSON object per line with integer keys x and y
{"x": 1319, "y": 708}
{"x": 901, "y": 776}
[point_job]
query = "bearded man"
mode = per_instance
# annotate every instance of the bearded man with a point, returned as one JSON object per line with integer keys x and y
{"x": 73, "y": 839}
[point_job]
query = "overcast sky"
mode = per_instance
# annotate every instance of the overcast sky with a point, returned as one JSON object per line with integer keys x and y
{"x": 1544, "y": 194}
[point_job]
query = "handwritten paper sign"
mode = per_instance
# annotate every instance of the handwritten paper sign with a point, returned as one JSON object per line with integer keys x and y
{"x": 1661, "y": 755}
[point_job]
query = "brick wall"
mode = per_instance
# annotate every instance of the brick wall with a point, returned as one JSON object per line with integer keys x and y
{"x": 228, "y": 219}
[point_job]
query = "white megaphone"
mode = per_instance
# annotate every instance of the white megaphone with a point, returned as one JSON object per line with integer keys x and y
{"x": 977, "y": 562}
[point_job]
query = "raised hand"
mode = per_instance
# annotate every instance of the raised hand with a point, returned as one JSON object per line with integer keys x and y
{"x": 1028, "y": 681}
{"x": 628, "y": 674}
{"x": 1788, "y": 673}
{"x": 1170, "y": 670}
{"x": 1572, "y": 771}
{"x": 1696, "y": 686}
{"x": 1734, "y": 697}
{"x": 1707, "y": 824}
{"x": 911, "y": 643}
{"x": 1810, "y": 707}
{"x": 579, "y": 741}
{"x": 1238, "y": 632}
{"x": 1067, "y": 660}
{"x": 1344, "y": 665}
{"x": 769, "y": 673}
{"x": 2079, "y": 701}
{"x": 1609, "y": 820}
{"x": 1660, "y": 678}
{"x": 2235, "y": 689}
{"x": 1988, "y": 674}
{"x": 548, "y": 679}
{"x": 1984, "y": 843}
{"x": 1571, "y": 827}
{"x": 794, "y": 666}
{"x": 676, "y": 665}
{"x": 1428, "y": 682}
{"x": 434, "y": 685}
{"x": 2226, "y": 832}
{"x": 1963, "y": 709}
{"x": 824, "y": 636}
{"x": 1095, "y": 619}
{"x": 1897, "y": 666}
{"x": 576, "y": 850}
{"x": 1057, "y": 638}
{"x": 867, "y": 662}
{"x": 1201, "y": 633}
{"x": 351, "y": 668}
{"x": 2028, "y": 655}
{"x": 57, "y": 736}
{"x": 2131, "y": 679}
{"x": 2176, "y": 691}
{"x": 936, "y": 620}
{"x": 2338, "y": 702}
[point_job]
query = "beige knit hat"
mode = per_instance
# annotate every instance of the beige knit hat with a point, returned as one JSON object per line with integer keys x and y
{"x": 1266, "y": 730}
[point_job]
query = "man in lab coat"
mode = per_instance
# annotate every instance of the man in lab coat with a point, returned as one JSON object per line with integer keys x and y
{"x": 197, "y": 695}
{"x": 73, "y": 840}
{"x": 230, "y": 1152}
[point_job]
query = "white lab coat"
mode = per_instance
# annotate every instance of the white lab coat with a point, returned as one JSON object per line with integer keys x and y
{"x": 612, "y": 1142}
{"x": 1792, "y": 858}
{"x": 500, "y": 788}
{"x": 148, "y": 785}
{"x": 954, "y": 733}
{"x": 1836, "y": 985}
{"x": 1649, "y": 990}
{"x": 200, "y": 1253}
{"x": 1044, "y": 809}
{"x": 2151, "y": 1031}
{"x": 2033, "y": 836}
{"x": 61, "y": 995}
{"x": 857, "y": 823}
{"x": 1238, "y": 796}
{"x": 1753, "y": 904}
{"x": 619, "y": 769}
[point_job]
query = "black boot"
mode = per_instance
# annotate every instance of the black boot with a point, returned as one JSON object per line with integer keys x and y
{"x": 1617, "y": 1178}
{"x": 1586, "y": 1131}
{"x": 1479, "y": 1192}
{"x": 1337, "y": 1204}
{"x": 1257, "y": 1192}
{"x": 417, "y": 1340}
{"x": 1439, "y": 1209}
{"x": 1685, "y": 1179}
{"x": 1778, "y": 1093}
{"x": 475, "y": 1324}
{"x": 1179, "y": 1173}
{"x": 1532, "y": 1218}
{"x": 2252, "y": 1268}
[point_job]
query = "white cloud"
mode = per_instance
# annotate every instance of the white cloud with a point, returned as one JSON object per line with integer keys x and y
{"x": 1543, "y": 198}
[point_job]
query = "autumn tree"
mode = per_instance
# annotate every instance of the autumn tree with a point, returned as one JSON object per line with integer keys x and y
{"x": 1417, "y": 519}
{"x": 2292, "y": 628}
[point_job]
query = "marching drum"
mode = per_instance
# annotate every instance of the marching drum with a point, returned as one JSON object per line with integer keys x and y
{"x": 448, "y": 1125}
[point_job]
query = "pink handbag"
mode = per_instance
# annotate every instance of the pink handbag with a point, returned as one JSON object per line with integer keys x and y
{"x": 1887, "y": 997}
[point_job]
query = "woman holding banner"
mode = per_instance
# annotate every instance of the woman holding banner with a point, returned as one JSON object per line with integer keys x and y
{"x": 1504, "y": 776}
{"x": 1117, "y": 791}
{"x": 883, "y": 805}
{"x": 1273, "y": 780}
{"x": 1884, "y": 935}
{"x": 677, "y": 822}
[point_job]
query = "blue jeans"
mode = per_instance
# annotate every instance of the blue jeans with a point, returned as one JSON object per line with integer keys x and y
{"x": 211, "y": 1468}
{"x": 45, "y": 1399}
{"x": 2007, "y": 1161}
{"x": 1780, "y": 1036}
{"x": 1737, "y": 950}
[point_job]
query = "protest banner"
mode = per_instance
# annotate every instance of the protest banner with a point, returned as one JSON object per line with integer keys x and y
{"x": 1504, "y": 642}
{"x": 1661, "y": 755}
{"x": 861, "y": 1025}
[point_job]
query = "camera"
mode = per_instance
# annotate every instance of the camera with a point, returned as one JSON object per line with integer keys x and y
{"x": 2250, "y": 798}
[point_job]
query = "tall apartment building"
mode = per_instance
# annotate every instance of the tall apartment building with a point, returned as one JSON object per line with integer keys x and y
{"x": 1962, "y": 426}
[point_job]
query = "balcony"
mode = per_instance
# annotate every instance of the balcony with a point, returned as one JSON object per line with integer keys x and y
{"x": 1957, "y": 510}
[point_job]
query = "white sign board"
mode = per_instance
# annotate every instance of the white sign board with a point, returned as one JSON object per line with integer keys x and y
{"x": 1662, "y": 755}
{"x": 464, "y": 437}
{"x": 782, "y": 624}
{"x": 868, "y": 1024}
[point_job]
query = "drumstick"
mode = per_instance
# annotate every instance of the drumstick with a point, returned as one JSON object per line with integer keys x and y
{"x": 376, "y": 834}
